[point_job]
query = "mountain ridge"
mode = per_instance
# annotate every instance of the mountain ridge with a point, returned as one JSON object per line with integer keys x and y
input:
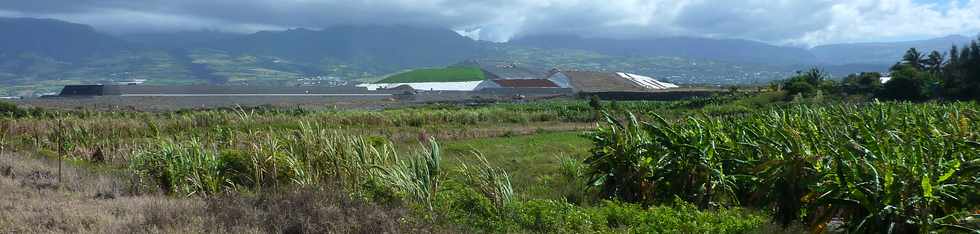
{"x": 46, "y": 53}
{"x": 73, "y": 41}
{"x": 731, "y": 50}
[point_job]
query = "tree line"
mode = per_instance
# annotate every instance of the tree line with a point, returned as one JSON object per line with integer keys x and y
{"x": 954, "y": 75}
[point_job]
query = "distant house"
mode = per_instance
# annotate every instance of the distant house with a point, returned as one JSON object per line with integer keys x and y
{"x": 885, "y": 79}
{"x": 591, "y": 81}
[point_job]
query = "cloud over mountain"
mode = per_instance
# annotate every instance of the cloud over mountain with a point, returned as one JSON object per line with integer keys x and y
{"x": 797, "y": 22}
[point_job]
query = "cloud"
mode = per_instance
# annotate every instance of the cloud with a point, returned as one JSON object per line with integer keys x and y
{"x": 796, "y": 22}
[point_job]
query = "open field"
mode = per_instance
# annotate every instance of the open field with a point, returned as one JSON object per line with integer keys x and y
{"x": 719, "y": 165}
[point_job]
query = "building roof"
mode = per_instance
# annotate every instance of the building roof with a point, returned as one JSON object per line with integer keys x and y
{"x": 526, "y": 83}
{"x": 587, "y": 81}
{"x": 646, "y": 81}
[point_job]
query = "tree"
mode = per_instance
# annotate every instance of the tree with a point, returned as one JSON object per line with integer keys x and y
{"x": 907, "y": 84}
{"x": 815, "y": 76}
{"x": 595, "y": 103}
{"x": 864, "y": 83}
{"x": 913, "y": 58}
{"x": 954, "y": 57}
{"x": 934, "y": 63}
{"x": 956, "y": 78}
{"x": 961, "y": 75}
{"x": 806, "y": 83}
{"x": 798, "y": 86}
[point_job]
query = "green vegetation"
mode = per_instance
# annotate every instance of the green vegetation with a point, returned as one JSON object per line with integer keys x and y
{"x": 533, "y": 161}
{"x": 918, "y": 77}
{"x": 8, "y": 109}
{"x": 877, "y": 167}
{"x": 727, "y": 164}
{"x": 450, "y": 74}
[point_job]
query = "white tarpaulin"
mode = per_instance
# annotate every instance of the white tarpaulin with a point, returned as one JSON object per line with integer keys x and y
{"x": 646, "y": 81}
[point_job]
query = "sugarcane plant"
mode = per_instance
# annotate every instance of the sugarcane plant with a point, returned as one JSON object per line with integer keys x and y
{"x": 875, "y": 167}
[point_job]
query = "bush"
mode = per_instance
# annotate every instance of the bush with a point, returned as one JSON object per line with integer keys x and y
{"x": 904, "y": 88}
{"x": 463, "y": 206}
{"x": 9, "y": 109}
{"x": 681, "y": 217}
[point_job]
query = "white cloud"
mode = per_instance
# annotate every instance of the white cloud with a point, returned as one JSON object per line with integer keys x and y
{"x": 871, "y": 20}
{"x": 797, "y": 22}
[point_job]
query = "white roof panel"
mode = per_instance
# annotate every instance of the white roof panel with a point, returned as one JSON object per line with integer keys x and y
{"x": 646, "y": 81}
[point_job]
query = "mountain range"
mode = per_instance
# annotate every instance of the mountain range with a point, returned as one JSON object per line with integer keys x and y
{"x": 41, "y": 54}
{"x": 883, "y": 52}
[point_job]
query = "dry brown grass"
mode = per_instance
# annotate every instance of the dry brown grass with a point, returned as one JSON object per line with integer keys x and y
{"x": 32, "y": 201}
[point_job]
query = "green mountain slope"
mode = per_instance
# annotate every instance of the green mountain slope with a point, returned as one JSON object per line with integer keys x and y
{"x": 39, "y": 56}
{"x": 450, "y": 74}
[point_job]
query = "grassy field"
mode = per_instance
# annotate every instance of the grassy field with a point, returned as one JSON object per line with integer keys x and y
{"x": 451, "y": 74}
{"x": 719, "y": 165}
{"x": 532, "y": 160}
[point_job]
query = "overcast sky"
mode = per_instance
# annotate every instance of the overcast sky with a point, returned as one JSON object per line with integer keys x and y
{"x": 788, "y": 22}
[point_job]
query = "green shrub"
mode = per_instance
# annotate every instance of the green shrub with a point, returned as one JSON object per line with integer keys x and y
{"x": 875, "y": 167}
{"x": 681, "y": 217}
{"x": 9, "y": 109}
{"x": 550, "y": 216}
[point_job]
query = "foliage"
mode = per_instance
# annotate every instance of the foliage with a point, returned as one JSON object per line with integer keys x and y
{"x": 649, "y": 162}
{"x": 725, "y": 168}
{"x": 9, "y": 109}
{"x": 953, "y": 76}
{"x": 906, "y": 84}
{"x": 419, "y": 178}
{"x": 961, "y": 75}
{"x": 493, "y": 183}
{"x": 4, "y": 134}
{"x": 807, "y": 83}
{"x": 863, "y": 83}
{"x": 877, "y": 167}
{"x": 466, "y": 207}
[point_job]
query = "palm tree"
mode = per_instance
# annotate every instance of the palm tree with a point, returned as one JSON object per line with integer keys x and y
{"x": 934, "y": 63}
{"x": 913, "y": 58}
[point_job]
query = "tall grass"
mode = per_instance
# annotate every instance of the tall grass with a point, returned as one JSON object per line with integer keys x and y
{"x": 879, "y": 167}
{"x": 493, "y": 183}
{"x": 4, "y": 133}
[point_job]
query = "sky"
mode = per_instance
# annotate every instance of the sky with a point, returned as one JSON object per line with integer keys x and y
{"x": 783, "y": 22}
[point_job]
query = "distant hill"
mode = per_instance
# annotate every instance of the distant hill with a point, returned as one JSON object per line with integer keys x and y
{"x": 882, "y": 52}
{"x": 394, "y": 47}
{"x": 39, "y": 55}
{"x": 728, "y": 50}
{"x": 54, "y": 39}
{"x": 178, "y": 40}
